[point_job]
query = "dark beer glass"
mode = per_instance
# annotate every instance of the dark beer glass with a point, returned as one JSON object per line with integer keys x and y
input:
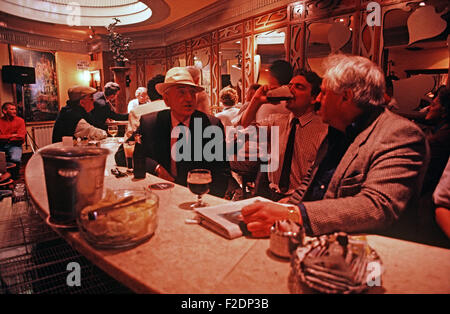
{"x": 198, "y": 181}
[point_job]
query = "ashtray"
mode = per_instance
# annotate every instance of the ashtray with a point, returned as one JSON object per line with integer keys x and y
{"x": 122, "y": 219}
{"x": 337, "y": 263}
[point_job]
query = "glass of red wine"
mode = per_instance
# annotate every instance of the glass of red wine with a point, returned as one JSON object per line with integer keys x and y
{"x": 198, "y": 181}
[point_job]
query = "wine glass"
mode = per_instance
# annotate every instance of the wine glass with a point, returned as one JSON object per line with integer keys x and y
{"x": 113, "y": 130}
{"x": 129, "y": 150}
{"x": 198, "y": 181}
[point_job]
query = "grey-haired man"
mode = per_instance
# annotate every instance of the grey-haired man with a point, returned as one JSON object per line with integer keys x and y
{"x": 368, "y": 170}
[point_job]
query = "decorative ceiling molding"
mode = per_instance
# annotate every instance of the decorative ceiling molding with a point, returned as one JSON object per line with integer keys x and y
{"x": 41, "y": 42}
{"x": 212, "y": 17}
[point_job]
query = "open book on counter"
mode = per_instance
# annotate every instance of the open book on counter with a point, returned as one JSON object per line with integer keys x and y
{"x": 225, "y": 219}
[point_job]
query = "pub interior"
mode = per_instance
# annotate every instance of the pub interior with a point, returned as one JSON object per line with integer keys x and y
{"x": 97, "y": 190}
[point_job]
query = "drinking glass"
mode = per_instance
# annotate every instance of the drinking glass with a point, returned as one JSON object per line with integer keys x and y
{"x": 198, "y": 181}
{"x": 113, "y": 130}
{"x": 129, "y": 150}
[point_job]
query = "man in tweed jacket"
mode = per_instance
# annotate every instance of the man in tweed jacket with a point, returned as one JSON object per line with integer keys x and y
{"x": 368, "y": 170}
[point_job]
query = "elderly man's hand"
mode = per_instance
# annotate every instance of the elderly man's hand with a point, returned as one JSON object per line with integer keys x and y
{"x": 260, "y": 216}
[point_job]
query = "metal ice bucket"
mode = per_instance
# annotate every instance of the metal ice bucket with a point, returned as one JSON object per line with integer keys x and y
{"x": 74, "y": 179}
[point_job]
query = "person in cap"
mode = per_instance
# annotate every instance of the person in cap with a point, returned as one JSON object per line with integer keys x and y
{"x": 160, "y": 134}
{"x": 104, "y": 104}
{"x": 12, "y": 135}
{"x": 74, "y": 120}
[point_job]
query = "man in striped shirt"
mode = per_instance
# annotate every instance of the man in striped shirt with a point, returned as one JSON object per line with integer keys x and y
{"x": 300, "y": 133}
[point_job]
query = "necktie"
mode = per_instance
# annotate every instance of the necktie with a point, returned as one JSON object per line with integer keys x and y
{"x": 173, "y": 164}
{"x": 287, "y": 162}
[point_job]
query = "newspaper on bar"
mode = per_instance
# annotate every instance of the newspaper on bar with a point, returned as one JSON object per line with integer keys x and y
{"x": 225, "y": 219}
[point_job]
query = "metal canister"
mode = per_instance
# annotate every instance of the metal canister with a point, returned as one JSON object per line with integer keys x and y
{"x": 74, "y": 179}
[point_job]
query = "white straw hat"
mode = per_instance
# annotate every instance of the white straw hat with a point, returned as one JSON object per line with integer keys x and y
{"x": 177, "y": 76}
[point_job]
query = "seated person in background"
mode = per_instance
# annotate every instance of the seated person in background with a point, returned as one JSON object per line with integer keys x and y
{"x": 251, "y": 90}
{"x": 368, "y": 170}
{"x": 12, "y": 135}
{"x": 141, "y": 98}
{"x": 160, "y": 130}
{"x": 228, "y": 97}
{"x": 441, "y": 198}
{"x": 203, "y": 99}
{"x": 438, "y": 136}
{"x": 300, "y": 134}
{"x": 104, "y": 106}
{"x": 74, "y": 120}
{"x": 156, "y": 104}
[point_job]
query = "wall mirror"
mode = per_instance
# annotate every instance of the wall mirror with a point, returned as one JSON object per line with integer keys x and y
{"x": 326, "y": 37}
{"x": 269, "y": 46}
{"x": 230, "y": 65}
{"x": 202, "y": 60}
{"x": 415, "y": 54}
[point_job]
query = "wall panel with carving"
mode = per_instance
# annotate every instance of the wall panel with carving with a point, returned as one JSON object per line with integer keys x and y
{"x": 215, "y": 79}
{"x": 154, "y": 67}
{"x": 271, "y": 20}
{"x": 249, "y": 68}
{"x": 297, "y": 46}
{"x": 133, "y": 78}
{"x": 140, "y": 74}
{"x": 369, "y": 39}
{"x": 296, "y": 11}
{"x": 318, "y": 9}
{"x": 230, "y": 32}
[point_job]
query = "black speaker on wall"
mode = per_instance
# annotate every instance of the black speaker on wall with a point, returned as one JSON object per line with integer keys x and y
{"x": 18, "y": 74}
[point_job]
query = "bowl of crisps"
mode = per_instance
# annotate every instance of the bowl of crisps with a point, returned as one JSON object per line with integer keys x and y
{"x": 121, "y": 219}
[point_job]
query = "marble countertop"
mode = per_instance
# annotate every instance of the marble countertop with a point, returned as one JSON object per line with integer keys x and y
{"x": 187, "y": 258}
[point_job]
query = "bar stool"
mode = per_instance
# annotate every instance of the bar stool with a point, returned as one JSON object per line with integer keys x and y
{"x": 6, "y": 181}
{"x": 11, "y": 168}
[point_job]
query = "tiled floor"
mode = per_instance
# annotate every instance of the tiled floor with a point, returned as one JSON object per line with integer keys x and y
{"x": 34, "y": 259}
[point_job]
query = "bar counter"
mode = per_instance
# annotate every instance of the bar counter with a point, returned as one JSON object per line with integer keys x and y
{"x": 188, "y": 258}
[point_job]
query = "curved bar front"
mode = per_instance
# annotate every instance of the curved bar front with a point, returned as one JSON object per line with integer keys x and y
{"x": 187, "y": 258}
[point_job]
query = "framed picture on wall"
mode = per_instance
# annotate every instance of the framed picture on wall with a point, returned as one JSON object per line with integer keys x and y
{"x": 40, "y": 99}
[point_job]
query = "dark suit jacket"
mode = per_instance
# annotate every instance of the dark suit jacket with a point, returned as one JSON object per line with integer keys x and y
{"x": 102, "y": 111}
{"x": 155, "y": 129}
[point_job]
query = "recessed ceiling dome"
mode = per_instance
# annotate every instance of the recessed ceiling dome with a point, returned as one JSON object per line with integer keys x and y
{"x": 79, "y": 12}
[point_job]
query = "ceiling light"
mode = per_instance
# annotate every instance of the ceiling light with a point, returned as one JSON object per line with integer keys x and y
{"x": 79, "y": 12}
{"x": 422, "y": 4}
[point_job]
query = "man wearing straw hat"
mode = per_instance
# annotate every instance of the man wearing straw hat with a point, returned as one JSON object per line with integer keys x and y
{"x": 163, "y": 131}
